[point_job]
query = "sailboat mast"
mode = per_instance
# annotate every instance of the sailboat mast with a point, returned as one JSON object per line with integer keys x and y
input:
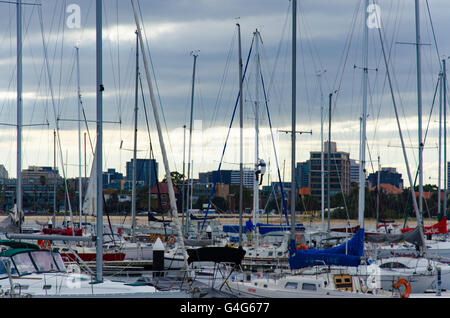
{"x": 330, "y": 96}
{"x": 294, "y": 97}
{"x": 444, "y": 84}
{"x": 98, "y": 151}
{"x": 322, "y": 170}
{"x": 255, "y": 182}
{"x": 172, "y": 198}
{"x": 362, "y": 153}
{"x": 440, "y": 143}
{"x": 19, "y": 199}
{"x": 54, "y": 178}
{"x": 80, "y": 193}
{"x": 184, "y": 209}
{"x": 133, "y": 189}
{"x": 241, "y": 138}
{"x": 419, "y": 103}
{"x": 190, "y": 185}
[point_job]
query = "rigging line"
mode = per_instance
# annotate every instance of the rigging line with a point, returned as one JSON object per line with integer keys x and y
{"x": 118, "y": 61}
{"x": 275, "y": 153}
{"x": 156, "y": 84}
{"x": 63, "y": 6}
{"x": 54, "y": 106}
{"x": 277, "y": 56}
{"x": 67, "y": 92}
{"x": 380, "y": 59}
{"x": 111, "y": 56}
{"x": 151, "y": 155}
{"x": 388, "y": 60}
{"x": 311, "y": 46}
{"x": 413, "y": 197}
{"x": 345, "y": 55}
{"x": 434, "y": 35}
{"x": 222, "y": 82}
{"x": 226, "y": 139}
{"x": 55, "y": 49}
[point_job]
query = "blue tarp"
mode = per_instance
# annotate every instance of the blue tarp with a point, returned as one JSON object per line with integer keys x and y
{"x": 232, "y": 228}
{"x": 346, "y": 254}
{"x": 266, "y": 228}
{"x": 263, "y": 228}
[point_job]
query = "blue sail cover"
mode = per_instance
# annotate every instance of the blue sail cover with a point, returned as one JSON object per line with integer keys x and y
{"x": 331, "y": 256}
{"x": 267, "y": 228}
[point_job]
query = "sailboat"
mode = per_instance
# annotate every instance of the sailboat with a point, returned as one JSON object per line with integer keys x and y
{"x": 28, "y": 271}
{"x": 317, "y": 285}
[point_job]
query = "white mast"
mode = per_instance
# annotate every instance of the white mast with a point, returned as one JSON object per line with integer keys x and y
{"x": 190, "y": 175}
{"x": 294, "y": 97}
{"x": 133, "y": 190}
{"x": 362, "y": 153}
{"x": 241, "y": 137}
{"x": 255, "y": 182}
{"x": 440, "y": 142}
{"x": 322, "y": 168}
{"x": 98, "y": 151}
{"x": 419, "y": 104}
{"x": 80, "y": 194}
{"x": 444, "y": 84}
{"x": 19, "y": 116}
{"x": 161, "y": 140}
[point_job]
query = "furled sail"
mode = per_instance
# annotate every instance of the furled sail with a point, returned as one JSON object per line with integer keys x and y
{"x": 89, "y": 203}
{"x": 345, "y": 254}
{"x": 412, "y": 236}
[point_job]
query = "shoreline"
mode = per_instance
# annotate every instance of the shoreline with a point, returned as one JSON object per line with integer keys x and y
{"x": 227, "y": 219}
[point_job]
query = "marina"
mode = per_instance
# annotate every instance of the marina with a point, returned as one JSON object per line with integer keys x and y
{"x": 225, "y": 195}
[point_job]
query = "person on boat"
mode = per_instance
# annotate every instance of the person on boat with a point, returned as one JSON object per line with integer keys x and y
{"x": 68, "y": 230}
{"x": 249, "y": 227}
{"x": 260, "y": 170}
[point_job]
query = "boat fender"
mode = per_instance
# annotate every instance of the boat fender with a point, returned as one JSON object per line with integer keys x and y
{"x": 404, "y": 282}
{"x": 44, "y": 244}
{"x": 302, "y": 247}
{"x": 172, "y": 239}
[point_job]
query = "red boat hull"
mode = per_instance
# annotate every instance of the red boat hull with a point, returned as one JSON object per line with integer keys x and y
{"x": 69, "y": 257}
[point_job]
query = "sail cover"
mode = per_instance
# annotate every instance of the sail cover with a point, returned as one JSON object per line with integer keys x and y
{"x": 216, "y": 254}
{"x": 345, "y": 254}
{"x": 438, "y": 228}
{"x": 412, "y": 236}
{"x": 267, "y": 228}
{"x": 89, "y": 203}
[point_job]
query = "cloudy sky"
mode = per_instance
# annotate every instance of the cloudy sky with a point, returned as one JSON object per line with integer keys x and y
{"x": 329, "y": 42}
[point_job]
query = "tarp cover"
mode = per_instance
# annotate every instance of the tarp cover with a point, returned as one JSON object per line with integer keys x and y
{"x": 412, "y": 236}
{"x": 438, "y": 228}
{"x": 345, "y": 254}
{"x": 216, "y": 254}
{"x": 267, "y": 228}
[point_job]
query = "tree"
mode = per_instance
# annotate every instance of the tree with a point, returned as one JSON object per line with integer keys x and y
{"x": 247, "y": 196}
{"x": 177, "y": 179}
{"x": 220, "y": 204}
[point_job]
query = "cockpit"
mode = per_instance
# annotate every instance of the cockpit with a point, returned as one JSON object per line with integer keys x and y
{"x": 24, "y": 261}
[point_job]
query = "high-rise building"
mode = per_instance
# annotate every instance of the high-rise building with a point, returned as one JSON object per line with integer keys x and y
{"x": 146, "y": 170}
{"x": 228, "y": 177}
{"x": 387, "y": 175}
{"x": 339, "y": 171}
{"x": 3, "y": 172}
{"x": 111, "y": 176}
{"x": 302, "y": 174}
{"x": 354, "y": 171}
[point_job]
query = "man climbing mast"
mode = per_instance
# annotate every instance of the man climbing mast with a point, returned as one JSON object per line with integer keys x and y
{"x": 260, "y": 170}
